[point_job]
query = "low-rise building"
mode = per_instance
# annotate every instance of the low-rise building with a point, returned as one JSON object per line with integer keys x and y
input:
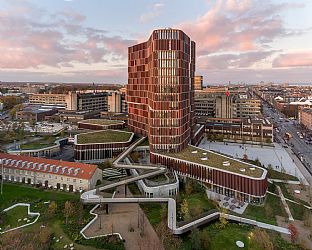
{"x": 68, "y": 176}
{"x": 305, "y": 117}
{"x": 100, "y": 145}
{"x": 35, "y": 113}
{"x": 219, "y": 173}
{"x": 259, "y": 131}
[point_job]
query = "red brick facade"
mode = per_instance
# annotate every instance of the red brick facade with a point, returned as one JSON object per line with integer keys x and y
{"x": 160, "y": 89}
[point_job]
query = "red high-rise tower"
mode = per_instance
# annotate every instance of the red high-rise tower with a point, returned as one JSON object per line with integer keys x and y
{"x": 160, "y": 90}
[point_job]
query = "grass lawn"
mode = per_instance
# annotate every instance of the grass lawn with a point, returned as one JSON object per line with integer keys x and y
{"x": 225, "y": 238}
{"x": 11, "y": 217}
{"x": 158, "y": 178}
{"x": 103, "y": 136}
{"x": 44, "y": 142}
{"x": 101, "y": 121}
{"x": 58, "y": 233}
{"x": 297, "y": 211}
{"x": 291, "y": 196}
{"x": 14, "y": 193}
{"x": 272, "y": 174}
{"x": 272, "y": 207}
{"x": 153, "y": 211}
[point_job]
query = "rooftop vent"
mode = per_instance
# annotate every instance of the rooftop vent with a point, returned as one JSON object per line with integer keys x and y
{"x": 226, "y": 163}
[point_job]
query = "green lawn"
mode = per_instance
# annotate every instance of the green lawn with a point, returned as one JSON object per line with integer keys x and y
{"x": 13, "y": 193}
{"x": 225, "y": 238}
{"x": 153, "y": 212}
{"x": 291, "y": 196}
{"x": 272, "y": 174}
{"x": 101, "y": 121}
{"x": 267, "y": 212}
{"x": 43, "y": 142}
{"x": 103, "y": 136}
{"x": 298, "y": 211}
{"x": 11, "y": 217}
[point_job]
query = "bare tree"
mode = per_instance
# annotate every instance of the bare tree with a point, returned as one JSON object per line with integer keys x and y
{"x": 68, "y": 210}
{"x": 260, "y": 238}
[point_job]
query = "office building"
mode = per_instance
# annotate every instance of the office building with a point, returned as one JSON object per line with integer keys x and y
{"x": 160, "y": 90}
{"x": 160, "y": 97}
{"x": 198, "y": 82}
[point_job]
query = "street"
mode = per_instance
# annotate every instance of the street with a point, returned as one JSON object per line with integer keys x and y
{"x": 296, "y": 145}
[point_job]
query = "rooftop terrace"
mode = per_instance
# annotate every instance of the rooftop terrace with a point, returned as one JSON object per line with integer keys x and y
{"x": 215, "y": 160}
{"x": 101, "y": 121}
{"x": 104, "y": 136}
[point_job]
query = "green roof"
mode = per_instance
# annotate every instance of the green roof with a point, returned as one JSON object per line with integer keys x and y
{"x": 40, "y": 143}
{"x": 215, "y": 160}
{"x": 103, "y": 136}
{"x": 101, "y": 121}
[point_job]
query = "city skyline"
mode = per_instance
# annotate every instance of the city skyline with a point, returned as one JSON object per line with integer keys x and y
{"x": 87, "y": 41}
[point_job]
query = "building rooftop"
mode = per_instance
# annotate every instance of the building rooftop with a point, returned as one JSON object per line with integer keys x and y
{"x": 104, "y": 136}
{"x": 48, "y": 166}
{"x": 218, "y": 161}
{"x": 101, "y": 121}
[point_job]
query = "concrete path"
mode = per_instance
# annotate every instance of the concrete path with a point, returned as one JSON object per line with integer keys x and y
{"x": 129, "y": 221}
{"x": 290, "y": 217}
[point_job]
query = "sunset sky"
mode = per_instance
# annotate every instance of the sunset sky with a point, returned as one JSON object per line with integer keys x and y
{"x": 86, "y": 40}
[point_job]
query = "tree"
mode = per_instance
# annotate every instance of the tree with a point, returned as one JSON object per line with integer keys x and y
{"x": 189, "y": 187}
{"x": 52, "y": 208}
{"x": 45, "y": 236}
{"x": 185, "y": 210}
{"x": 68, "y": 210}
{"x": 261, "y": 239}
{"x": 293, "y": 232}
{"x": 222, "y": 220}
{"x": 195, "y": 239}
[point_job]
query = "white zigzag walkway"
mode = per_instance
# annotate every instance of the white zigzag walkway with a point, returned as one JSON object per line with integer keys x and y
{"x": 92, "y": 197}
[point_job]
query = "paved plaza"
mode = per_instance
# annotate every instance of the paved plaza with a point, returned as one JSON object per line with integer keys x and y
{"x": 277, "y": 156}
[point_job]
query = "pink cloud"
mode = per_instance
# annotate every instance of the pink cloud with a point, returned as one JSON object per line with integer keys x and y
{"x": 234, "y": 25}
{"x": 29, "y": 40}
{"x": 295, "y": 59}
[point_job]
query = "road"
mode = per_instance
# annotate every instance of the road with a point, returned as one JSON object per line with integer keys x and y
{"x": 296, "y": 146}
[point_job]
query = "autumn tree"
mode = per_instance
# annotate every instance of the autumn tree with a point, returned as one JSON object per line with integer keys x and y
{"x": 261, "y": 239}
{"x": 52, "y": 208}
{"x": 189, "y": 187}
{"x": 293, "y": 232}
{"x": 185, "y": 210}
{"x": 222, "y": 219}
{"x": 45, "y": 236}
{"x": 68, "y": 210}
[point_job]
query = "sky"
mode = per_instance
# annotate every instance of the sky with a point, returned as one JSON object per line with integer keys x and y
{"x": 241, "y": 41}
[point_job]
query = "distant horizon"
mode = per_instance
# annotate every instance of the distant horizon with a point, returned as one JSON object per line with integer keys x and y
{"x": 123, "y": 84}
{"x": 87, "y": 41}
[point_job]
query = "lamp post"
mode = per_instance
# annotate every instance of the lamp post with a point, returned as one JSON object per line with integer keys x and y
{"x": 1, "y": 162}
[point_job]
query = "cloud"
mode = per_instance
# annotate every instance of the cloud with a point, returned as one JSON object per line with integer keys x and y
{"x": 34, "y": 38}
{"x": 153, "y": 13}
{"x": 294, "y": 59}
{"x": 232, "y": 60}
{"x": 277, "y": 75}
{"x": 236, "y": 26}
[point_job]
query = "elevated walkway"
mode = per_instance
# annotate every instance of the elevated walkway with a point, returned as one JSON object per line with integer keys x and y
{"x": 93, "y": 197}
